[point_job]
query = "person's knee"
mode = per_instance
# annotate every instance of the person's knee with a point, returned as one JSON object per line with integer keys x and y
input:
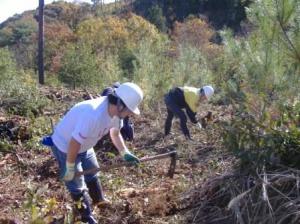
{"x": 95, "y": 191}
{"x": 91, "y": 177}
{"x": 76, "y": 186}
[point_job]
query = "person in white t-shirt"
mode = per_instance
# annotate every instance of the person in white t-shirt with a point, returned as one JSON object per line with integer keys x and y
{"x": 78, "y": 132}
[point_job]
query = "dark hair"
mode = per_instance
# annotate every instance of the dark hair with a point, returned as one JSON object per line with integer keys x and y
{"x": 115, "y": 100}
{"x": 202, "y": 91}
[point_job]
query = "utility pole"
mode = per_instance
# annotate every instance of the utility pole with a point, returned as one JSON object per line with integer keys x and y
{"x": 41, "y": 43}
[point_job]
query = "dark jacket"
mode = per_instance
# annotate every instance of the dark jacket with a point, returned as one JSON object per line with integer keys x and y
{"x": 177, "y": 96}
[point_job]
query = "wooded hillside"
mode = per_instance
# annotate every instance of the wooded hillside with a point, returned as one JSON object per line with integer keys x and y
{"x": 241, "y": 167}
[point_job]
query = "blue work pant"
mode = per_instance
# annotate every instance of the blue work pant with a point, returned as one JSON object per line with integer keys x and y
{"x": 175, "y": 110}
{"x": 84, "y": 161}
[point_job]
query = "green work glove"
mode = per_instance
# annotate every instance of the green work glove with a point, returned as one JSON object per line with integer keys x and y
{"x": 129, "y": 157}
{"x": 69, "y": 172}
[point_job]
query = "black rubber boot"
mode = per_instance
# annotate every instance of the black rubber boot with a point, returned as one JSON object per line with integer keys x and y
{"x": 95, "y": 191}
{"x": 83, "y": 207}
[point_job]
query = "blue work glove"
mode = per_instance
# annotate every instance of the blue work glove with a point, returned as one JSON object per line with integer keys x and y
{"x": 69, "y": 172}
{"x": 129, "y": 157}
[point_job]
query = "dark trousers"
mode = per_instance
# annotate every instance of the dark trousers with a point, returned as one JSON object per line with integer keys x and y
{"x": 127, "y": 131}
{"x": 175, "y": 110}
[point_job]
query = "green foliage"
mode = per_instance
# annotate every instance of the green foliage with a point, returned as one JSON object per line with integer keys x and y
{"x": 19, "y": 35}
{"x": 128, "y": 61}
{"x": 39, "y": 127}
{"x": 20, "y": 31}
{"x": 41, "y": 209}
{"x": 109, "y": 70}
{"x": 157, "y": 73}
{"x": 7, "y": 66}
{"x": 67, "y": 13}
{"x": 191, "y": 68}
{"x": 154, "y": 70}
{"x": 79, "y": 66}
{"x": 155, "y": 16}
{"x": 260, "y": 75}
{"x": 17, "y": 88}
{"x": 227, "y": 13}
{"x": 112, "y": 34}
{"x": 57, "y": 36}
{"x": 267, "y": 141}
{"x": 197, "y": 33}
{"x": 6, "y": 37}
{"x": 5, "y": 146}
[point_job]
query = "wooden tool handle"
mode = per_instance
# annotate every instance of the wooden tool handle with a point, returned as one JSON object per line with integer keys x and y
{"x": 121, "y": 164}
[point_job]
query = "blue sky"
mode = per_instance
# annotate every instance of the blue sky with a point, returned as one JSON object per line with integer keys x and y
{"x": 10, "y": 7}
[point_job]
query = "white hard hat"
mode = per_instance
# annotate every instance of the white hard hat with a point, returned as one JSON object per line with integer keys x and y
{"x": 208, "y": 91}
{"x": 131, "y": 94}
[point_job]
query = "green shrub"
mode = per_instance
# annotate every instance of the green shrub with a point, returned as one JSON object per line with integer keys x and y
{"x": 18, "y": 91}
{"x": 127, "y": 61}
{"x": 154, "y": 71}
{"x": 270, "y": 140}
{"x": 191, "y": 68}
{"x": 155, "y": 16}
{"x": 260, "y": 75}
{"x": 79, "y": 66}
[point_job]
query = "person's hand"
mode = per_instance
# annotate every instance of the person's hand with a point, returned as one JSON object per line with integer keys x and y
{"x": 70, "y": 172}
{"x": 199, "y": 125}
{"x": 129, "y": 157}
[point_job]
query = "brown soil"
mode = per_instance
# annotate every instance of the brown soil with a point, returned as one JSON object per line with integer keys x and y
{"x": 30, "y": 189}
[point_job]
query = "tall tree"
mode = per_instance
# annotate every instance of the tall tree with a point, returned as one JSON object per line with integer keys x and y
{"x": 41, "y": 43}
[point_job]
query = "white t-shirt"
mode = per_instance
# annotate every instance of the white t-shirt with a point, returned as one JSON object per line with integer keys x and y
{"x": 87, "y": 122}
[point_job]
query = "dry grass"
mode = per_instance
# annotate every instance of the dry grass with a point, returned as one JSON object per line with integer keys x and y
{"x": 238, "y": 198}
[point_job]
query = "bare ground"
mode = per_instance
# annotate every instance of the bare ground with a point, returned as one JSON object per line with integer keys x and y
{"x": 30, "y": 191}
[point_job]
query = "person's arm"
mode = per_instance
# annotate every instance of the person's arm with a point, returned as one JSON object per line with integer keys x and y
{"x": 73, "y": 150}
{"x": 192, "y": 115}
{"x": 118, "y": 141}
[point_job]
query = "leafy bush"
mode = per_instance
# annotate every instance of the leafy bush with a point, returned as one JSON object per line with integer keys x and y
{"x": 261, "y": 76}
{"x": 155, "y": 16}
{"x": 19, "y": 94}
{"x": 154, "y": 71}
{"x": 57, "y": 37}
{"x": 79, "y": 66}
{"x": 112, "y": 34}
{"x": 227, "y": 13}
{"x": 157, "y": 71}
{"x": 40, "y": 208}
{"x": 191, "y": 67}
{"x": 197, "y": 33}
{"x": 127, "y": 61}
{"x": 20, "y": 31}
{"x": 269, "y": 140}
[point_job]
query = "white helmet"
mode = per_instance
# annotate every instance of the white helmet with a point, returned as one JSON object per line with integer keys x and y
{"x": 131, "y": 94}
{"x": 208, "y": 91}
